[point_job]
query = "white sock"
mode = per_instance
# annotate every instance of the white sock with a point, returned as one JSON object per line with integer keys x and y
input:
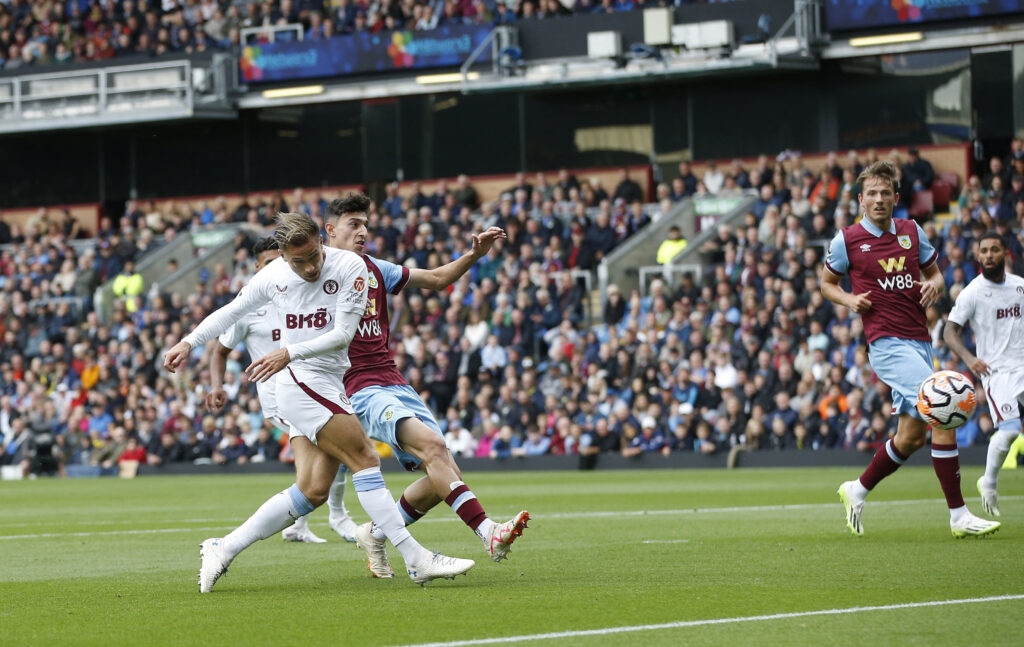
{"x": 858, "y": 490}
{"x": 483, "y": 531}
{"x": 955, "y": 514}
{"x": 336, "y": 499}
{"x": 302, "y": 523}
{"x": 998, "y": 447}
{"x": 375, "y": 530}
{"x": 376, "y": 500}
{"x": 276, "y": 514}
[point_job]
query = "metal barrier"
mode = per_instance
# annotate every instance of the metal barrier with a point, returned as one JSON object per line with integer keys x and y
{"x": 273, "y": 31}
{"x": 118, "y": 94}
{"x": 669, "y": 273}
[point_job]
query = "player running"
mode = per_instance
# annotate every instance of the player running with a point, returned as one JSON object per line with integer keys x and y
{"x": 320, "y": 295}
{"x": 260, "y": 331}
{"x": 993, "y": 303}
{"x": 390, "y": 410}
{"x": 886, "y": 259}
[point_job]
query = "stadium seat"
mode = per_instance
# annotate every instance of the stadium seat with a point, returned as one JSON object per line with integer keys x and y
{"x": 923, "y": 205}
{"x": 952, "y": 179}
{"x": 941, "y": 193}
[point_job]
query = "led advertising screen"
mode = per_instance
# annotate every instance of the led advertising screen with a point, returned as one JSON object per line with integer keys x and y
{"x": 842, "y": 15}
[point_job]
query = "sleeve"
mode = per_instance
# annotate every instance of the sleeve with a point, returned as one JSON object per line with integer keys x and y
{"x": 249, "y": 298}
{"x": 234, "y": 335}
{"x": 396, "y": 277}
{"x": 963, "y": 309}
{"x": 836, "y": 259}
{"x": 927, "y": 254}
{"x": 348, "y": 311}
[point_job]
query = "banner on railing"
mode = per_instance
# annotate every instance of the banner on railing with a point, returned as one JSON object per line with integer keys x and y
{"x": 362, "y": 53}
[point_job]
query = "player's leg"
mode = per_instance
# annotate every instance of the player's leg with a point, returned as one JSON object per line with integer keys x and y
{"x": 313, "y": 474}
{"x": 340, "y": 520}
{"x": 903, "y": 365}
{"x": 343, "y": 438}
{"x": 1004, "y": 391}
{"x": 276, "y": 514}
{"x": 445, "y": 478}
{"x": 946, "y": 461}
{"x": 397, "y": 416}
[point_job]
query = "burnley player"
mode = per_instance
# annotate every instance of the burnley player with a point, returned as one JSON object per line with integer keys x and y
{"x": 894, "y": 277}
{"x": 260, "y": 331}
{"x": 320, "y": 295}
{"x": 993, "y": 303}
{"x": 390, "y": 410}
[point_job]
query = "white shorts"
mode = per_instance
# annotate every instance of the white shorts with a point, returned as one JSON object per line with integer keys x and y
{"x": 308, "y": 400}
{"x": 1004, "y": 390}
{"x": 266, "y": 392}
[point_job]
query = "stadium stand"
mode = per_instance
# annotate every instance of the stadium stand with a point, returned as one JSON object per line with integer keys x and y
{"x": 750, "y": 358}
{"x": 39, "y": 33}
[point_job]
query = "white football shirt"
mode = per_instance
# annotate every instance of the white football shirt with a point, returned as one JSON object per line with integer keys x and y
{"x": 319, "y": 317}
{"x": 260, "y": 331}
{"x": 996, "y": 314}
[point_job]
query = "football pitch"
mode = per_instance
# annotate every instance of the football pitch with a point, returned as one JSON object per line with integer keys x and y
{"x": 654, "y": 557}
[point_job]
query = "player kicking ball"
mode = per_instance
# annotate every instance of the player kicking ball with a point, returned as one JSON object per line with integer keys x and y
{"x": 320, "y": 295}
{"x": 260, "y": 331}
{"x": 390, "y": 410}
{"x": 894, "y": 277}
{"x": 993, "y": 303}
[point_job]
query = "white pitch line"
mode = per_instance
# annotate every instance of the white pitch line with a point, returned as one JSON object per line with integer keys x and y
{"x": 665, "y": 541}
{"x": 150, "y": 531}
{"x": 715, "y": 621}
{"x": 596, "y": 514}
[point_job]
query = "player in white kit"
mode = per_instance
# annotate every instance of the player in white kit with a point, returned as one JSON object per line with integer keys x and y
{"x": 993, "y": 303}
{"x": 260, "y": 331}
{"x": 320, "y": 295}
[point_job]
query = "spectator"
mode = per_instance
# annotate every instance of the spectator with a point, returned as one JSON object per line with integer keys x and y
{"x": 671, "y": 246}
{"x": 918, "y": 172}
{"x": 628, "y": 190}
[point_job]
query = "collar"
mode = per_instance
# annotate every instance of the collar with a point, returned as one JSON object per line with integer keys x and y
{"x": 870, "y": 227}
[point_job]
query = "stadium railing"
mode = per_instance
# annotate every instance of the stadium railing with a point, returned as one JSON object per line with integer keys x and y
{"x": 697, "y": 219}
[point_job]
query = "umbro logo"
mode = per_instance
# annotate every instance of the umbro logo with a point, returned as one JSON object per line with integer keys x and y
{"x": 281, "y": 288}
{"x": 865, "y": 247}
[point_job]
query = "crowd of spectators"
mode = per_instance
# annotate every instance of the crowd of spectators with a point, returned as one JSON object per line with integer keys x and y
{"x": 42, "y": 32}
{"x": 751, "y": 357}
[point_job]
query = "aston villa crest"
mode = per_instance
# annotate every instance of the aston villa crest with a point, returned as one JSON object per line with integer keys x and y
{"x": 904, "y": 241}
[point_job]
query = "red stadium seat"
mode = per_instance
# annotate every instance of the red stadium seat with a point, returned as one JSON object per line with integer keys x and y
{"x": 941, "y": 193}
{"x": 952, "y": 179}
{"x": 922, "y": 206}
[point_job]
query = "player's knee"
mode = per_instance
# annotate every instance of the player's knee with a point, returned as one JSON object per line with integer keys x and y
{"x": 434, "y": 452}
{"x": 913, "y": 443}
{"x": 316, "y": 493}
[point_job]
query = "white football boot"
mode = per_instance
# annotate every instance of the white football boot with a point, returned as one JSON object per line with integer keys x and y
{"x": 213, "y": 563}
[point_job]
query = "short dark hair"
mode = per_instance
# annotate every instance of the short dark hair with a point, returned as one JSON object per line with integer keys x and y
{"x": 993, "y": 235}
{"x": 351, "y": 203}
{"x": 265, "y": 244}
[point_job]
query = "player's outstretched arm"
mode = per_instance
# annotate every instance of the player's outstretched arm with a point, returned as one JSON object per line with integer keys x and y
{"x": 830, "y": 289}
{"x": 217, "y": 397}
{"x": 249, "y": 299}
{"x": 441, "y": 277}
{"x": 953, "y": 336}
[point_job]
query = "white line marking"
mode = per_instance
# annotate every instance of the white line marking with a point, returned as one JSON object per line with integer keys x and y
{"x": 554, "y": 515}
{"x": 715, "y": 621}
{"x": 665, "y": 541}
{"x": 151, "y": 531}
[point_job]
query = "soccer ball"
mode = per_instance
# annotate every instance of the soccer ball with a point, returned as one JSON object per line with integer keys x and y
{"x": 946, "y": 400}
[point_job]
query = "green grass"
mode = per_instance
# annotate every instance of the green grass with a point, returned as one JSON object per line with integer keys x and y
{"x": 98, "y": 578}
